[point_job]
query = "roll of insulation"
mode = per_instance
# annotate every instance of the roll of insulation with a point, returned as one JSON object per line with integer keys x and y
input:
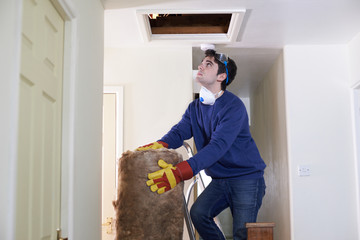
{"x": 140, "y": 213}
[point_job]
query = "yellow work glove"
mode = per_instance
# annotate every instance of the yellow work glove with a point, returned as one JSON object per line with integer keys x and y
{"x": 154, "y": 145}
{"x": 165, "y": 179}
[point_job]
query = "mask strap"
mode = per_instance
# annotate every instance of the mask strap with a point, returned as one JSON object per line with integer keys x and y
{"x": 218, "y": 94}
{"x": 227, "y": 73}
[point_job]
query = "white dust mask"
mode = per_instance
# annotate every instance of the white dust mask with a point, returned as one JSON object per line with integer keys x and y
{"x": 207, "y": 97}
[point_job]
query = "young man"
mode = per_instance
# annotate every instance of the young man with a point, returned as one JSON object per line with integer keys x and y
{"x": 218, "y": 122}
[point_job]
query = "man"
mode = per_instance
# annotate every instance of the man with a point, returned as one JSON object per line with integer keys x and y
{"x": 218, "y": 122}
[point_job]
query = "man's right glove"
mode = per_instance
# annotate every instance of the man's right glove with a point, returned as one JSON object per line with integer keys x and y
{"x": 154, "y": 145}
{"x": 165, "y": 179}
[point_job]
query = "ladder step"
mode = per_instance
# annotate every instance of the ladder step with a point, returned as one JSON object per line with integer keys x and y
{"x": 260, "y": 230}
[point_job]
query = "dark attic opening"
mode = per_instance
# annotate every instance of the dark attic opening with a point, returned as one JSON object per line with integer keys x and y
{"x": 189, "y": 23}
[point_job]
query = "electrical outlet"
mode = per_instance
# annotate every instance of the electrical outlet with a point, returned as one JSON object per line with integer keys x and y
{"x": 304, "y": 170}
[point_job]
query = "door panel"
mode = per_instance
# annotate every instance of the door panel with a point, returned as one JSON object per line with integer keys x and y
{"x": 39, "y": 146}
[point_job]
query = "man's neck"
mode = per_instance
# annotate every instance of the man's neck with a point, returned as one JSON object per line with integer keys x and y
{"x": 214, "y": 89}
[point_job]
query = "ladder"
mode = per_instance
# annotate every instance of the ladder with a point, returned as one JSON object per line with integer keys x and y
{"x": 197, "y": 179}
{"x": 261, "y": 231}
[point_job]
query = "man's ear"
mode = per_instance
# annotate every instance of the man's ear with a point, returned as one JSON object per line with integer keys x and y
{"x": 221, "y": 77}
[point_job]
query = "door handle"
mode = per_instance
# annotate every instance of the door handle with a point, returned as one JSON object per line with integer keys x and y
{"x": 108, "y": 223}
{"x": 58, "y": 231}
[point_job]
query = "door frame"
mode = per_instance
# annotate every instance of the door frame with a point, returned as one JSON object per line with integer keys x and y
{"x": 355, "y": 95}
{"x": 10, "y": 47}
{"x": 119, "y": 92}
{"x": 68, "y": 11}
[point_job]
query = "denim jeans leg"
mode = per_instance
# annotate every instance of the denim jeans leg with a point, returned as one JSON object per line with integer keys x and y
{"x": 209, "y": 204}
{"x": 245, "y": 201}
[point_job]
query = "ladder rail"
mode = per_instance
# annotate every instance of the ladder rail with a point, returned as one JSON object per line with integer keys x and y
{"x": 188, "y": 221}
{"x": 197, "y": 179}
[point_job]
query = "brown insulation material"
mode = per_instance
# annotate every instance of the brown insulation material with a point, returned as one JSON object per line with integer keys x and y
{"x": 140, "y": 213}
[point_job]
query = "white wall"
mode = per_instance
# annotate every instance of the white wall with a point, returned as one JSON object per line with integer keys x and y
{"x": 157, "y": 88}
{"x": 10, "y": 28}
{"x": 88, "y": 121}
{"x": 269, "y": 131}
{"x": 319, "y": 133}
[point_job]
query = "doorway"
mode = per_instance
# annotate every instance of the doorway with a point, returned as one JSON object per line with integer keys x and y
{"x": 112, "y": 149}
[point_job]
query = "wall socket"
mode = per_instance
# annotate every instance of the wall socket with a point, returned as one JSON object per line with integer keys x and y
{"x": 304, "y": 170}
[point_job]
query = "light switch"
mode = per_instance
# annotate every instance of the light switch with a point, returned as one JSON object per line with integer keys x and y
{"x": 304, "y": 170}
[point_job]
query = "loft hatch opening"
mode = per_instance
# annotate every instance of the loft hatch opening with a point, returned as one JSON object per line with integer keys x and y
{"x": 189, "y": 23}
{"x": 195, "y": 26}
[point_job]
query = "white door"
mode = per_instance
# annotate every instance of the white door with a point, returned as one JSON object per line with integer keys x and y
{"x": 112, "y": 148}
{"x": 39, "y": 146}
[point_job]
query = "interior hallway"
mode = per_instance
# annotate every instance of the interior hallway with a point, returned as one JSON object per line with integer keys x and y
{"x": 302, "y": 108}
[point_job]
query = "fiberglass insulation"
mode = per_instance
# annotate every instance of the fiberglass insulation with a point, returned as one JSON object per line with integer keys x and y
{"x": 140, "y": 213}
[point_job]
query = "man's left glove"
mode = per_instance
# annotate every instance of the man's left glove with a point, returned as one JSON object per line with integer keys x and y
{"x": 165, "y": 179}
{"x": 154, "y": 145}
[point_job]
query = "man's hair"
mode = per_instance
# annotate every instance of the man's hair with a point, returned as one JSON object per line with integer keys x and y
{"x": 231, "y": 66}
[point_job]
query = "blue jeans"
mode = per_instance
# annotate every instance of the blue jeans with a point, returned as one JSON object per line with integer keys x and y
{"x": 244, "y": 197}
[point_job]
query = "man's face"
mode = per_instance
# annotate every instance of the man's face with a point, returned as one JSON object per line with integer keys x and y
{"x": 207, "y": 74}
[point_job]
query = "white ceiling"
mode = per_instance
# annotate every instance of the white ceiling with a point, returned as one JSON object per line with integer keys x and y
{"x": 269, "y": 25}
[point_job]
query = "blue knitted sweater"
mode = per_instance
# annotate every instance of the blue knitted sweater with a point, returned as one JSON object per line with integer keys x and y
{"x": 222, "y": 137}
